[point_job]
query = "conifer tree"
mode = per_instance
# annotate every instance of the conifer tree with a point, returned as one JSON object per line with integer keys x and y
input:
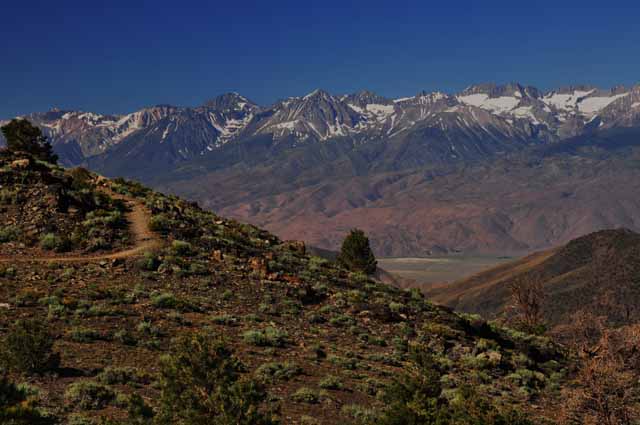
{"x": 21, "y": 135}
{"x": 356, "y": 253}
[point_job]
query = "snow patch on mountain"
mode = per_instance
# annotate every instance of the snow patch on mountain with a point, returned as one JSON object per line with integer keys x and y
{"x": 566, "y": 101}
{"x": 593, "y": 105}
{"x": 498, "y": 105}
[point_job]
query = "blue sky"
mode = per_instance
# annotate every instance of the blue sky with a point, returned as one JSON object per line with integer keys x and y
{"x": 123, "y": 55}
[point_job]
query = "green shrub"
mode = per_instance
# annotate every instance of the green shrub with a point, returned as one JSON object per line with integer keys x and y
{"x": 148, "y": 328}
{"x": 342, "y": 320}
{"x": 274, "y": 371}
{"x": 8, "y": 197}
{"x": 9, "y": 234}
{"x": 331, "y": 383}
{"x": 416, "y": 398}
{"x": 16, "y": 408}
{"x": 80, "y": 334}
{"x": 361, "y": 415}
{"x": 306, "y": 395}
{"x": 346, "y": 363}
{"x": 164, "y": 300}
{"x": 397, "y": 307}
{"x": 371, "y": 386}
{"x": 122, "y": 376}
{"x": 51, "y": 242}
{"x": 149, "y": 262}
{"x": 181, "y": 248}
{"x": 269, "y": 337}
{"x": 88, "y": 395}
{"x": 160, "y": 223}
{"x": 76, "y": 419}
{"x": 201, "y": 382}
{"x": 124, "y": 337}
{"x": 28, "y": 347}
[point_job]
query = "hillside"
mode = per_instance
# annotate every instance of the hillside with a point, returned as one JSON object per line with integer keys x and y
{"x": 324, "y": 342}
{"x": 598, "y": 273}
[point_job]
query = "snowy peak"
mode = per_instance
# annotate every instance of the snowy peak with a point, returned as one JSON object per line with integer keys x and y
{"x": 504, "y": 99}
{"x": 316, "y": 116}
{"x": 485, "y": 111}
{"x": 493, "y": 90}
{"x": 624, "y": 111}
{"x": 231, "y": 102}
{"x": 585, "y": 101}
{"x": 318, "y": 94}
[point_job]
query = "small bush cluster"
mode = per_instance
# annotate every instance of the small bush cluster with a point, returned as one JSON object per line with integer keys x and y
{"x": 28, "y": 348}
{"x": 52, "y": 242}
{"x": 275, "y": 371}
{"x": 9, "y": 234}
{"x": 89, "y": 395}
{"x": 269, "y": 337}
{"x": 16, "y": 407}
{"x": 201, "y": 382}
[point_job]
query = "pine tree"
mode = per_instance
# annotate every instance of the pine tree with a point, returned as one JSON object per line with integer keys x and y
{"x": 21, "y": 135}
{"x": 356, "y": 253}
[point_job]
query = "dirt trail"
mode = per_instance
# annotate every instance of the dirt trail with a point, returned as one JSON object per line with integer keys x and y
{"x": 143, "y": 239}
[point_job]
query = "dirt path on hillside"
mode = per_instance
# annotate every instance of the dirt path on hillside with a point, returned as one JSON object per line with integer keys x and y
{"x": 143, "y": 238}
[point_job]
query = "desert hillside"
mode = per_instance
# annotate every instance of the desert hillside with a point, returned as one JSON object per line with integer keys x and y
{"x": 599, "y": 273}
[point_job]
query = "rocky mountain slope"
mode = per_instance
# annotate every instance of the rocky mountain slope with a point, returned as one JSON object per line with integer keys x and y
{"x": 484, "y": 170}
{"x": 536, "y": 199}
{"x": 322, "y": 343}
{"x": 501, "y": 113}
{"x": 598, "y": 273}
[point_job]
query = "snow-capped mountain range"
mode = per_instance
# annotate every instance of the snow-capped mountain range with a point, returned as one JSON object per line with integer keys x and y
{"x": 481, "y": 117}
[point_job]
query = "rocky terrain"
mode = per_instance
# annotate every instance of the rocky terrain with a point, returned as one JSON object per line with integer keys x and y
{"x": 89, "y": 337}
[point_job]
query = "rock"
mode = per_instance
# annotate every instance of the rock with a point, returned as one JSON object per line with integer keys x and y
{"x": 292, "y": 280}
{"x": 20, "y": 164}
{"x": 5, "y": 305}
{"x": 493, "y": 357}
{"x": 217, "y": 255}
{"x": 259, "y": 265}
{"x": 296, "y": 246}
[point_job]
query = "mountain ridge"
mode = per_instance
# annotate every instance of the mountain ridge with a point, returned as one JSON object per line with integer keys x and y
{"x": 362, "y": 116}
{"x": 418, "y": 173}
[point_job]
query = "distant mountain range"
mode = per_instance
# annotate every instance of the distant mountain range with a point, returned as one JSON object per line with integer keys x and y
{"x": 310, "y": 167}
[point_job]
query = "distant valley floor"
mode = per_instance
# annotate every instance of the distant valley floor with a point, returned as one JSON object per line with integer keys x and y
{"x": 424, "y": 272}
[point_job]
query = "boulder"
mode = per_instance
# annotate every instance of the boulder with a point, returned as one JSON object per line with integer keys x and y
{"x": 20, "y": 164}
